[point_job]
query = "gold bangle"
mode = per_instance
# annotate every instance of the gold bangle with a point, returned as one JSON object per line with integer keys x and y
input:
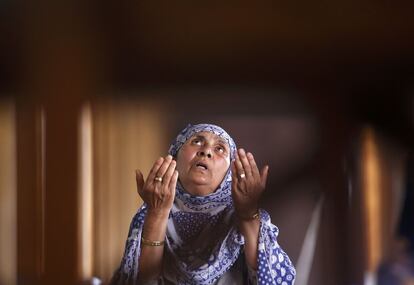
{"x": 255, "y": 216}
{"x": 151, "y": 242}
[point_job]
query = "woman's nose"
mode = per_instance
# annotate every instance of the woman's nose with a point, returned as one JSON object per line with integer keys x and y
{"x": 205, "y": 152}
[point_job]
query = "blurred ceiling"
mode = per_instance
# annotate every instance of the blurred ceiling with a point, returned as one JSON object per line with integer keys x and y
{"x": 163, "y": 41}
{"x": 259, "y": 41}
{"x": 359, "y": 52}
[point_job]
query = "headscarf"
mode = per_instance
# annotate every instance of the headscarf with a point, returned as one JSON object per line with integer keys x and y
{"x": 202, "y": 239}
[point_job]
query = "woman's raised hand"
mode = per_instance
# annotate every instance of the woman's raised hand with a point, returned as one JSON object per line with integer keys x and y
{"x": 247, "y": 183}
{"x": 158, "y": 191}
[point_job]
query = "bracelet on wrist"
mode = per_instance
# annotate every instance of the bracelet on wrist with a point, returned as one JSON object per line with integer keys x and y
{"x": 152, "y": 242}
{"x": 255, "y": 216}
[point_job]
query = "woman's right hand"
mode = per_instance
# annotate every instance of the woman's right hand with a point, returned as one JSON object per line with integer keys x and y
{"x": 158, "y": 191}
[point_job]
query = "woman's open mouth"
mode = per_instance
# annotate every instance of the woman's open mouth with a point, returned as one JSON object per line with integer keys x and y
{"x": 201, "y": 166}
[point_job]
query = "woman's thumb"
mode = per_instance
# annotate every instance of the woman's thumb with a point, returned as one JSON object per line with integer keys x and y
{"x": 140, "y": 180}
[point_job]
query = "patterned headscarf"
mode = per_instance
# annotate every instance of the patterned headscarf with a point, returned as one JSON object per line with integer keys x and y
{"x": 202, "y": 240}
{"x": 222, "y": 195}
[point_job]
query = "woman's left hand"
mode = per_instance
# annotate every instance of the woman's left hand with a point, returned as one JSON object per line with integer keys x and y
{"x": 247, "y": 183}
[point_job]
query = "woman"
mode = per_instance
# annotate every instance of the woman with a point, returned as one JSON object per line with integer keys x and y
{"x": 200, "y": 222}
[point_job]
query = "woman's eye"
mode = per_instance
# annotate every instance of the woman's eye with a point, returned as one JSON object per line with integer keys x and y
{"x": 220, "y": 149}
{"x": 197, "y": 142}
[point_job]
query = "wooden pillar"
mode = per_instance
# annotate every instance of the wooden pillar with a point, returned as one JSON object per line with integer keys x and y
{"x": 58, "y": 78}
{"x": 8, "y": 196}
{"x": 61, "y": 193}
{"x": 47, "y": 211}
{"x": 30, "y": 194}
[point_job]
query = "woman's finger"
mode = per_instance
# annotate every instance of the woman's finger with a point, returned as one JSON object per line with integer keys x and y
{"x": 263, "y": 176}
{"x": 163, "y": 169}
{"x": 234, "y": 176}
{"x": 140, "y": 180}
{"x": 154, "y": 169}
{"x": 173, "y": 180}
{"x": 234, "y": 172}
{"x": 255, "y": 170}
{"x": 245, "y": 163}
{"x": 169, "y": 173}
{"x": 241, "y": 175}
{"x": 239, "y": 167}
{"x": 173, "y": 183}
{"x": 168, "y": 194}
{"x": 238, "y": 181}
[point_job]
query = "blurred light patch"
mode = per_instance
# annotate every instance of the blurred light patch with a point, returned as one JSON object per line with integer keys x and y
{"x": 86, "y": 193}
{"x": 8, "y": 194}
{"x": 41, "y": 197}
{"x": 371, "y": 175}
{"x": 307, "y": 253}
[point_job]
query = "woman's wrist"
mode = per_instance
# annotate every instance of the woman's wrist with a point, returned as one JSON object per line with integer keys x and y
{"x": 159, "y": 214}
{"x": 248, "y": 215}
{"x": 148, "y": 242}
{"x": 155, "y": 225}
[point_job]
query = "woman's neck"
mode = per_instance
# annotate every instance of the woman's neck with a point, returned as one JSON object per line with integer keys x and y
{"x": 199, "y": 190}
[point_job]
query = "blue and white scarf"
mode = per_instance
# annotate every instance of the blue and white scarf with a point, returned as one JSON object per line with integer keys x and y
{"x": 202, "y": 239}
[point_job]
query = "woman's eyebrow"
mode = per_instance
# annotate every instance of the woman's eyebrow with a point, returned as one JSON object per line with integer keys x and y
{"x": 199, "y": 137}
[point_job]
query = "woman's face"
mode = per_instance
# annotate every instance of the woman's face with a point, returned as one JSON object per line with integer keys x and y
{"x": 202, "y": 163}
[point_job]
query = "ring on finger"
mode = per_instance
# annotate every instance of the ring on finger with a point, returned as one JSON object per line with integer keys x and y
{"x": 158, "y": 179}
{"x": 242, "y": 176}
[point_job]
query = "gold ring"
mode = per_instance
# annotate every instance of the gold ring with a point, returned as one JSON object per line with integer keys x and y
{"x": 159, "y": 179}
{"x": 242, "y": 175}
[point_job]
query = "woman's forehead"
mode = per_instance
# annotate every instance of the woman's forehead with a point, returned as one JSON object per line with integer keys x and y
{"x": 193, "y": 130}
{"x": 210, "y": 136}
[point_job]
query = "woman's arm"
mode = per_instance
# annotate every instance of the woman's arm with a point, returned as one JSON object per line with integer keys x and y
{"x": 158, "y": 192}
{"x": 247, "y": 186}
{"x": 249, "y": 228}
{"x": 150, "y": 260}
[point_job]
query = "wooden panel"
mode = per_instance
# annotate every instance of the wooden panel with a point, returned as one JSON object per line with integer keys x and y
{"x": 8, "y": 196}
{"x": 30, "y": 195}
{"x": 126, "y": 136}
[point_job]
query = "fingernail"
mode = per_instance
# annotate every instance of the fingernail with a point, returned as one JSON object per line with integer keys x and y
{"x": 249, "y": 154}
{"x": 169, "y": 156}
{"x": 242, "y": 151}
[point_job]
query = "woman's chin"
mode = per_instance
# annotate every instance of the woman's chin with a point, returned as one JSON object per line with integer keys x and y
{"x": 199, "y": 187}
{"x": 200, "y": 179}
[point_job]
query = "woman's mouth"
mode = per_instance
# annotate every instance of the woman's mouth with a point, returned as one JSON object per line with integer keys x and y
{"x": 201, "y": 165}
